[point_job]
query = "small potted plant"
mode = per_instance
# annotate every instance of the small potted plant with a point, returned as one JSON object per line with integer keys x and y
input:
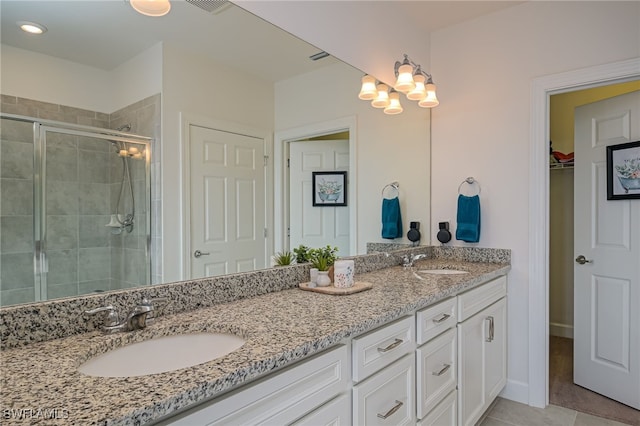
{"x": 283, "y": 258}
{"x": 323, "y": 259}
{"x": 302, "y": 253}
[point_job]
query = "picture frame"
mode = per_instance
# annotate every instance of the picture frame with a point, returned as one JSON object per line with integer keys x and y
{"x": 329, "y": 189}
{"x": 623, "y": 171}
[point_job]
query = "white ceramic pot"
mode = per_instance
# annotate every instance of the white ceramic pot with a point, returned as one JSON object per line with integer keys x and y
{"x": 323, "y": 279}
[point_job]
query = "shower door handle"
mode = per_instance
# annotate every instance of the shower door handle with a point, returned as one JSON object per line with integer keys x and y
{"x": 198, "y": 253}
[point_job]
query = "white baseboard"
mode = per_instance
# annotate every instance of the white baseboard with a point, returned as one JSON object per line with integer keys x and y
{"x": 561, "y": 330}
{"x": 516, "y": 391}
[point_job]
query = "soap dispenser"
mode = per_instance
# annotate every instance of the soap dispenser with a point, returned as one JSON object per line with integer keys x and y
{"x": 444, "y": 236}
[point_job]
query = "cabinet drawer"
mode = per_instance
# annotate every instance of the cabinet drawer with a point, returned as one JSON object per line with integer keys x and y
{"x": 279, "y": 398}
{"x": 381, "y": 347}
{"x": 335, "y": 412}
{"x": 444, "y": 414}
{"x": 386, "y": 398}
{"x": 435, "y": 319}
{"x": 435, "y": 371}
{"x": 473, "y": 301}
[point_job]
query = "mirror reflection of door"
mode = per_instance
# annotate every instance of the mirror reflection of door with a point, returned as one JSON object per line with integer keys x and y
{"x": 607, "y": 234}
{"x": 316, "y": 226}
{"x": 227, "y": 202}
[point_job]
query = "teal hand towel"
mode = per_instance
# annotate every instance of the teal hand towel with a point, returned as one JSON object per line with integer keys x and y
{"x": 468, "y": 219}
{"x": 391, "y": 218}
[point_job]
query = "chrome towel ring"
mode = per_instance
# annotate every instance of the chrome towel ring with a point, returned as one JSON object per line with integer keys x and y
{"x": 392, "y": 188}
{"x": 470, "y": 181}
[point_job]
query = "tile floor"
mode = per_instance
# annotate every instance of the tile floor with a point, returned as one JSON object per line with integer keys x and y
{"x": 510, "y": 413}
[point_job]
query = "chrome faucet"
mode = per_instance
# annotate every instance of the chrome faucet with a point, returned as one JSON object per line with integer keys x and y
{"x": 137, "y": 318}
{"x": 408, "y": 260}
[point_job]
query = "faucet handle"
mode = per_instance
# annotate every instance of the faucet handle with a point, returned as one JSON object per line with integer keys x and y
{"x": 111, "y": 318}
{"x": 164, "y": 301}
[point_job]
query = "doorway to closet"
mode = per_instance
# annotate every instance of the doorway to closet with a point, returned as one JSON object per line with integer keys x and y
{"x": 562, "y": 390}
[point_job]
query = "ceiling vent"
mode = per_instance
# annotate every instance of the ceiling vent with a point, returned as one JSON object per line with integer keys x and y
{"x": 212, "y": 6}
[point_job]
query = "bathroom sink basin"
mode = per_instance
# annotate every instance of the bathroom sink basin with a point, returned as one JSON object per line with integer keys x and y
{"x": 442, "y": 271}
{"x": 161, "y": 354}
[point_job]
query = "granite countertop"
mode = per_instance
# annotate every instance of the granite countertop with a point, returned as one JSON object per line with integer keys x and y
{"x": 279, "y": 328}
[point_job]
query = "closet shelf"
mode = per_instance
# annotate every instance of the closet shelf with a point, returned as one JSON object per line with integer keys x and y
{"x": 555, "y": 166}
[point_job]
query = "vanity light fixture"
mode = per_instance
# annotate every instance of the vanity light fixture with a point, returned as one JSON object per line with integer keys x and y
{"x": 411, "y": 80}
{"x": 32, "y": 27}
{"x": 151, "y": 7}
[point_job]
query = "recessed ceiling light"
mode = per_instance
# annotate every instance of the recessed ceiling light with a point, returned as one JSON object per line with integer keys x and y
{"x": 151, "y": 7}
{"x": 31, "y": 27}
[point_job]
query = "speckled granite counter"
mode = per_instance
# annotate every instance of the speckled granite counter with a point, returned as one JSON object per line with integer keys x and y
{"x": 279, "y": 328}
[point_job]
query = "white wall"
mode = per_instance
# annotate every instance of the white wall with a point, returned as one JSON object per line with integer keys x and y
{"x": 389, "y": 148}
{"x": 199, "y": 87}
{"x": 138, "y": 78}
{"x": 370, "y": 35}
{"x": 45, "y": 78}
{"x": 485, "y": 69}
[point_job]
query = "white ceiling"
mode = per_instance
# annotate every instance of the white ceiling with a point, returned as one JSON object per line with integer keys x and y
{"x": 105, "y": 33}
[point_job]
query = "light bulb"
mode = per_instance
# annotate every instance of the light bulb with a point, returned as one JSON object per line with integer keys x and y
{"x": 419, "y": 92}
{"x": 431, "y": 100}
{"x": 394, "y": 104}
{"x": 382, "y": 101}
{"x": 405, "y": 82}
{"x": 368, "y": 91}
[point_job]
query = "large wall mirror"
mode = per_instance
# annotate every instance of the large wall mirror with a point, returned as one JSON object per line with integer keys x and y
{"x": 199, "y": 82}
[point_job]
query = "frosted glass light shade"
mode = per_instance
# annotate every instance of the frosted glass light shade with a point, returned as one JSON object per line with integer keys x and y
{"x": 368, "y": 90}
{"x": 382, "y": 101}
{"x": 431, "y": 100}
{"x": 405, "y": 82}
{"x": 419, "y": 92}
{"x": 151, "y": 7}
{"x": 394, "y": 104}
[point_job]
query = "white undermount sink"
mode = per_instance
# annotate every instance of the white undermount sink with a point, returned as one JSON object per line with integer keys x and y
{"x": 162, "y": 354}
{"x": 442, "y": 271}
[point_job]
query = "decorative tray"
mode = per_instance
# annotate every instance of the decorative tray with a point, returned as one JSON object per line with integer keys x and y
{"x": 357, "y": 287}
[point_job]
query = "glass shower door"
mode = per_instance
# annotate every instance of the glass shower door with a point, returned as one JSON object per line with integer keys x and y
{"x": 93, "y": 202}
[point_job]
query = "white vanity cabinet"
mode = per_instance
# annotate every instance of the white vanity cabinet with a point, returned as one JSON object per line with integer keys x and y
{"x": 436, "y": 359}
{"x": 384, "y": 375}
{"x": 482, "y": 348}
{"x": 442, "y": 365}
{"x": 280, "y": 398}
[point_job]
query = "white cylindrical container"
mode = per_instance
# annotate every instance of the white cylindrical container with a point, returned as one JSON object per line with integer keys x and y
{"x": 313, "y": 275}
{"x": 343, "y": 272}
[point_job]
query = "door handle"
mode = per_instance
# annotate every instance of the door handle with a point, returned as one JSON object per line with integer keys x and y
{"x": 582, "y": 260}
{"x": 198, "y": 253}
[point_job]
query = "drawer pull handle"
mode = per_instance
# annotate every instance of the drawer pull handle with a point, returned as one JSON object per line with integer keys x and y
{"x": 442, "y": 318}
{"x": 394, "y": 345}
{"x": 393, "y": 410}
{"x": 441, "y": 372}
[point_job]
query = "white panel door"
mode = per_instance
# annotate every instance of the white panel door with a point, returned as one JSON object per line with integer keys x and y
{"x": 227, "y": 176}
{"x": 607, "y": 234}
{"x": 309, "y": 225}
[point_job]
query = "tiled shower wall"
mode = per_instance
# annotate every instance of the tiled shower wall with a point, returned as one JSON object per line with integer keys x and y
{"x": 81, "y": 258}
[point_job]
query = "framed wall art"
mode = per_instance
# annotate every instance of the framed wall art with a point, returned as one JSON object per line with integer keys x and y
{"x": 623, "y": 171}
{"x": 329, "y": 189}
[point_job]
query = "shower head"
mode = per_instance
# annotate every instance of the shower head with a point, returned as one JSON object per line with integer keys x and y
{"x": 124, "y": 128}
